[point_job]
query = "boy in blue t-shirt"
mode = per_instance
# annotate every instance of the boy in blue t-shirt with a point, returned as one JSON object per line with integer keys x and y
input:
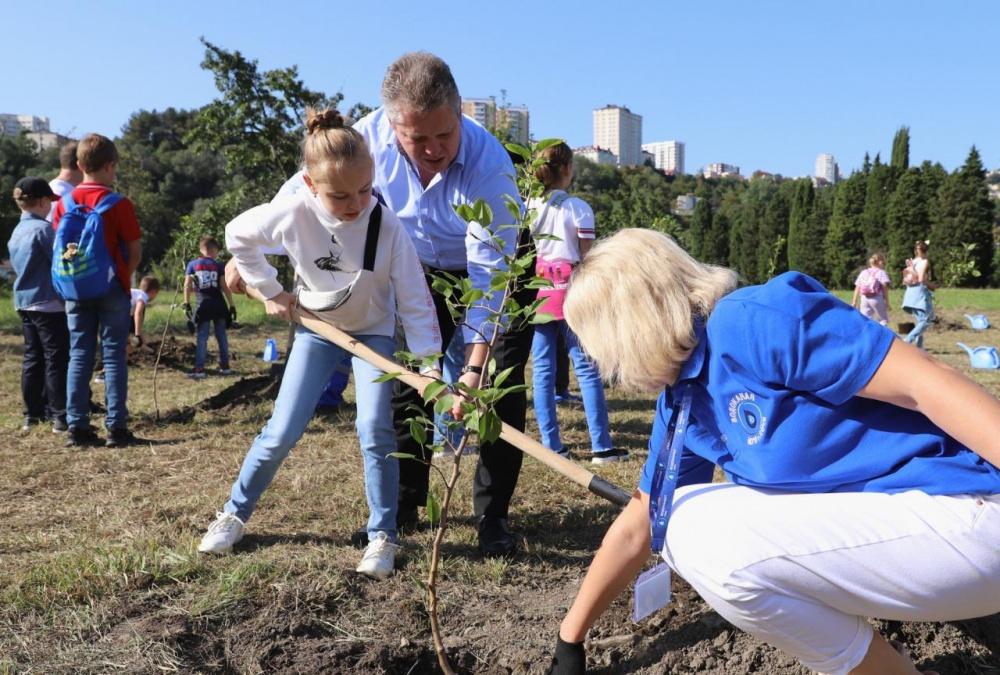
{"x": 205, "y": 278}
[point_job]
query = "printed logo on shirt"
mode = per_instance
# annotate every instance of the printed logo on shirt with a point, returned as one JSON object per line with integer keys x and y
{"x": 744, "y": 411}
{"x": 331, "y": 263}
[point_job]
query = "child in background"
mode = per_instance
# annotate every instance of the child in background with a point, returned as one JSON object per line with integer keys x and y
{"x": 149, "y": 288}
{"x": 354, "y": 255}
{"x": 871, "y": 290}
{"x": 43, "y": 315}
{"x": 108, "y": 315}
{"x": 571, "y": 221}
{"x": 205, "y": 278}
{"x": 917, "y": 298}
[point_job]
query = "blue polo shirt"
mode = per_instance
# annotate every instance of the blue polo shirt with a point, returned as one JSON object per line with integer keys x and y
{"x": 774, "y": 377}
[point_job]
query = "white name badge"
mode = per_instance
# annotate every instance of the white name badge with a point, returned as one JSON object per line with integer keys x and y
{"x": 652, "y": 592}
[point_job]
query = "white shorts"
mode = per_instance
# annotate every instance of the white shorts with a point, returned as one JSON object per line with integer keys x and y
{"x": 804, "y": 571}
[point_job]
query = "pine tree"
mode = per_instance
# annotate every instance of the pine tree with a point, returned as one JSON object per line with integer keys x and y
{"x": 964, "y": 216}
{"x": 772, "y": 250}
{"x": 901, "y": 149}
{"x": 844, "y": 245}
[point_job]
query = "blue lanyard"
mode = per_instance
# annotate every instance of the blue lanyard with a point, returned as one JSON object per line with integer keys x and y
{"x": 668, "y": 462}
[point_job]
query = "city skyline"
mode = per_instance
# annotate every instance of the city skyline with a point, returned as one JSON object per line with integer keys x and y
{"x": 763, "y": 101}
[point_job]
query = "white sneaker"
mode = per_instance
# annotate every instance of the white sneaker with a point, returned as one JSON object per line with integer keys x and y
{"x": 222, "y": 534}
{"x": 379, "y": 558}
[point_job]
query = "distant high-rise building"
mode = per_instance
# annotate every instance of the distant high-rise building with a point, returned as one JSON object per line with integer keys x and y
{"x": 619, "y": 130}
{"x": 483, "y": 110}
{"x": 514, "y": 119}
{"x": 720, "y": 170}
{"x": 12, "y": 125}
{"x": 668, "y": 156}
{"x": 596, "y": 155}
{"x": 826, "y": 168}
{"x": 36, "y": 128}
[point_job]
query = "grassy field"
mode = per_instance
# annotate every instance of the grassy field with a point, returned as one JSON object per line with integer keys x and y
{"x": 99, "y": 572}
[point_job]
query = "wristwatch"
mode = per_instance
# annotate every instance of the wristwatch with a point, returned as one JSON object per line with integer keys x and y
{"x": 478, "y": 370}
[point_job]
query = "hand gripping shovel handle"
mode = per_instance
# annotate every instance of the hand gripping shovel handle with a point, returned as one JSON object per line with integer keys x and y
{"x": 519, "y": 440}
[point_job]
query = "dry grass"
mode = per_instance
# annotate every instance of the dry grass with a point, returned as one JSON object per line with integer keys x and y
{"x": 99, "y": 573}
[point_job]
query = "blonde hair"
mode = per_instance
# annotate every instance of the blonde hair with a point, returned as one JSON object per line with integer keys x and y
{"x": 633, "y": 303}
{"x": 329, "y": 142}
{"x": 875, "y": 259}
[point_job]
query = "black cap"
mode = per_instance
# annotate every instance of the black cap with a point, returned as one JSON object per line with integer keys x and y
{"x": 33, "y": 187}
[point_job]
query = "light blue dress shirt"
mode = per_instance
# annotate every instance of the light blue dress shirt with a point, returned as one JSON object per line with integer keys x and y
{"x": 481, "y": 170}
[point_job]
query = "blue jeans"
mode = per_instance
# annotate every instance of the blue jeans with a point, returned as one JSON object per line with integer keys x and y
{"x": 310, "y": 364}
{"x": 543, "y": 358}
{"x": 454, "y": 359}
{"x": 916, "y": 336}
{"x": 110, "y": 316}
{"x": 202, "y": 345}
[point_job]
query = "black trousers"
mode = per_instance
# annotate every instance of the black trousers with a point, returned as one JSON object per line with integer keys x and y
{"x": 46, "y": 360}
{"x": 499, "y": 463}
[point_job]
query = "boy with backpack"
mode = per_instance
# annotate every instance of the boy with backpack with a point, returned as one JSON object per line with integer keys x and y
{"x": 204, "y": 276}
{"x": 871, "y": 290}
{"x": 43, "y": 316}
{"x": 96, "y": 252}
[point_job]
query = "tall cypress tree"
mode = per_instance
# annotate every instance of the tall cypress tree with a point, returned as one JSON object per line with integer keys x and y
{"x": 701, "y": 223}
{"x": 901, "y": 149}
{"x": 715, "y": 245}
{"x": 908, "y": 219}
{"x": 772, "y": 251}
{"x": 844, "y": 245}
{"x": 879, "y": 187}
{"x": 965, "y": 216}
{"x": 806, "y": 231}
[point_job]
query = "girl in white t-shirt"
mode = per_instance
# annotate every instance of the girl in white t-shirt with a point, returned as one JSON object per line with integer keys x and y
{"x": 356, "y": 267}
{"x": 568, "y": 225}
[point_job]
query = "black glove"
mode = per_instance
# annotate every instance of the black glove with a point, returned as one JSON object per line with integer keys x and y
{"x": 569, "y": 659}
{"x": 191, "y": 327}
{"x": 231, "y": 318}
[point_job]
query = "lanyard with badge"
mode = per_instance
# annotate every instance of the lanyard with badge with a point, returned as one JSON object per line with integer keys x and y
{"x": 652, "y": 588}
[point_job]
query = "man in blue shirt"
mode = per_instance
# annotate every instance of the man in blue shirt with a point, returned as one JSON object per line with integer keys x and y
{"x": 428, "y": 158}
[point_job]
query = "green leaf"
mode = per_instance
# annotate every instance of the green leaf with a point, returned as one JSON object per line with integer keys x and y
{"x": 443, "y": 404}
{"x": 541, "y": 317}
{"x": 503, "y": 375}
{"x": 539, "y": 282}
{"x": 418, "y": 432}
{"x": 402, "y": 455}
{"x": 433, "y": 509}
{"x": 472, "y": 296}
{"x": 546, "y": 143}
{"x": 433, "y": 389}
{"x": 489, "y": 427}
{"x": 518, "y": 149}
{"x": 387, "y": 377}
{"x": 442, "y": 286}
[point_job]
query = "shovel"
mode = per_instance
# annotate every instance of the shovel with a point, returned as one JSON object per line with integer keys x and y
{"x": 519, "y": 440}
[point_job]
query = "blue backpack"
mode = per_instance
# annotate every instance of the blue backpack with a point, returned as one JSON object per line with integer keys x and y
{"x": 82, "y": 266}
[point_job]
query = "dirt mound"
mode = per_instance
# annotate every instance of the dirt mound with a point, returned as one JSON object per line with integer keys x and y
{"x": 176, "y": 354}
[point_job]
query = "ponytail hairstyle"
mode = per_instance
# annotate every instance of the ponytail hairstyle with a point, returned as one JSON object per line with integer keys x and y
{"x": 329, "y": 143}
{"x": 557, "y": 157}
{"x": 921, "y": 246}
{"x": 876, "y": 260}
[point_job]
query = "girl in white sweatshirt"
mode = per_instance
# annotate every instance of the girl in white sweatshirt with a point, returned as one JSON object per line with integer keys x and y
{"x": 356, "y": 264}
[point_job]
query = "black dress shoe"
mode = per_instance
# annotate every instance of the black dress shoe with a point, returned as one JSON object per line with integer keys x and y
{"x": 495, "y": 539}
{"x": 120, "y": 437}
{"x": 82, "y": 437}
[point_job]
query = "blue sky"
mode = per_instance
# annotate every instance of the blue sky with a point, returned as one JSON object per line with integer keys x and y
{"x": 764, "y": 85}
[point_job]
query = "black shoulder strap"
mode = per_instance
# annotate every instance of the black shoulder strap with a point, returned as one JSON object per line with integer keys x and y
{"x": 371, "y": 239}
